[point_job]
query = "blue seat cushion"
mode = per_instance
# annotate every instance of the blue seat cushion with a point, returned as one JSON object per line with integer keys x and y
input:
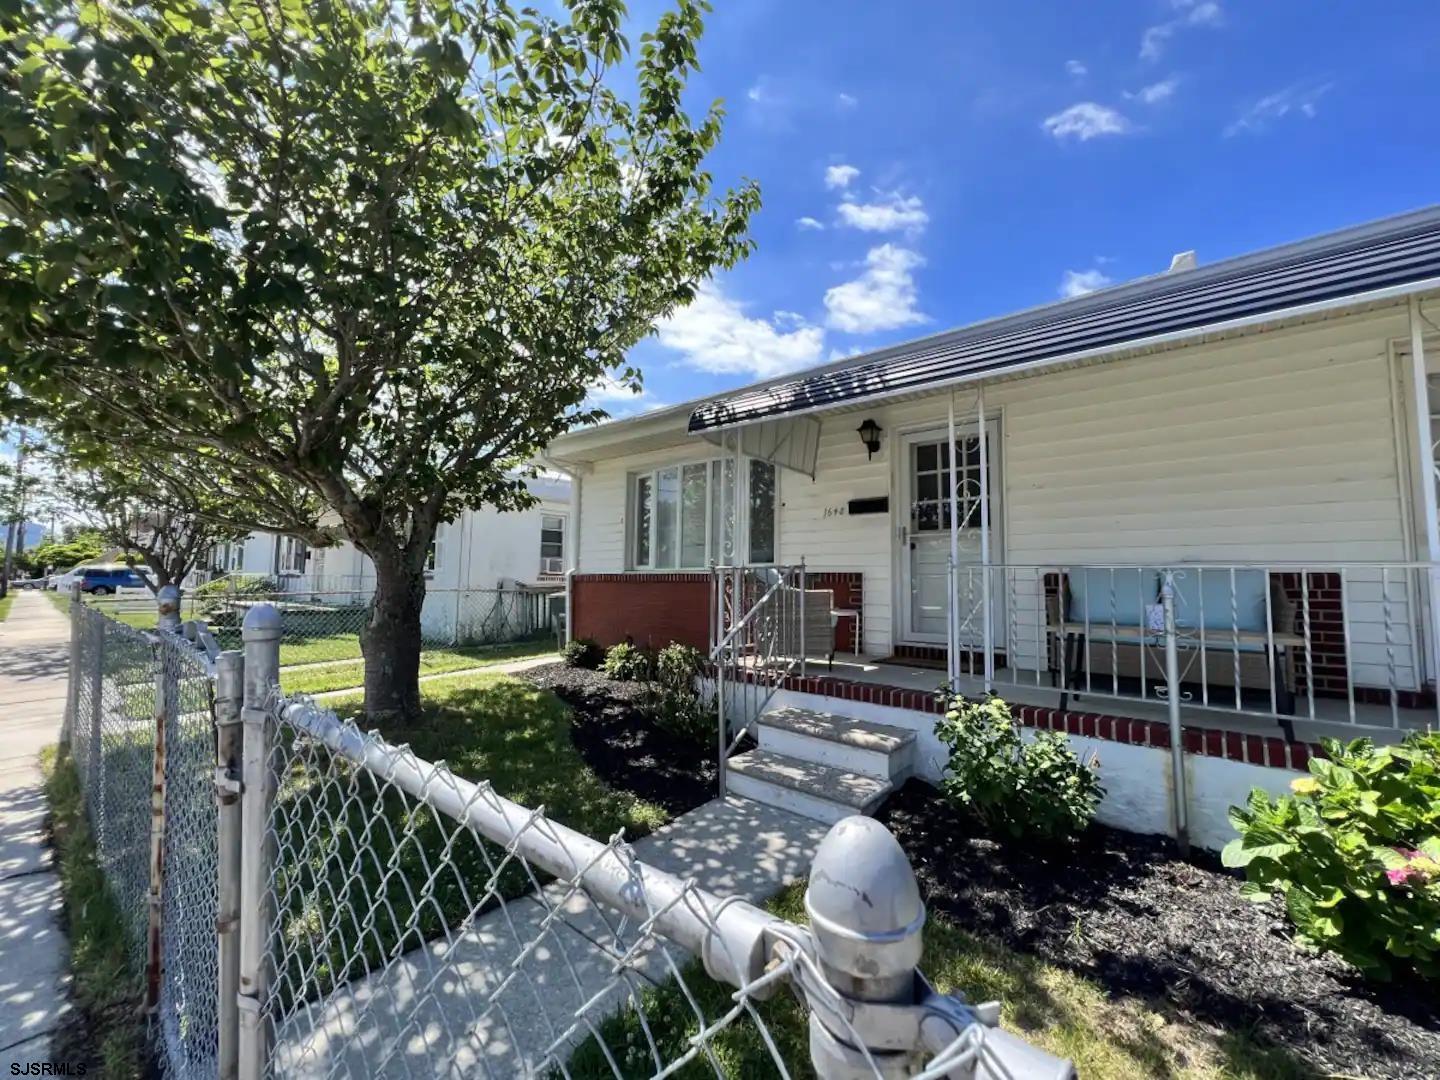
{"x": 1116, "y": 597}
{"x": 1208, "y": 593}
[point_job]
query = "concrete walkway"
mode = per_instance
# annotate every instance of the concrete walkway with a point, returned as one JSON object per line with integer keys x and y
{"x": 34, "y": 643}
{"x": 428, "y": 1014}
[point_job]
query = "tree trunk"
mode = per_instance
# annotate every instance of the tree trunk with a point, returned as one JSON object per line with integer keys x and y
{"x": 390, "y": 640}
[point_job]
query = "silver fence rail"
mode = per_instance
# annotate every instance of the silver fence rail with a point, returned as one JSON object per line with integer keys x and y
{"x": 404, "y": 921}
{"x": 308, "y": 899}
{"x": 1335, "y": 643}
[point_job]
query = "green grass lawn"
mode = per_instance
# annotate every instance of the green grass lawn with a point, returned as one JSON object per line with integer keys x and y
{"x": 6, "y": 603}
{"x": 1108, "y": 1039}
{"x": 106, "y": 990}
{"x": 487, "y": 728}
{"x": 345, "y": 676}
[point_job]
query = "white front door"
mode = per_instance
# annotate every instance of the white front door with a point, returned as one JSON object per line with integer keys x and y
{"x": 926, "y": 533}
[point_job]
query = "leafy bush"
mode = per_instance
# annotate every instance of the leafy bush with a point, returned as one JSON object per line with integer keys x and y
{"x": 582, "y": 653}
{"x": 1354, "y": 853}
{"x": 235, "y": 586}
{"x": 1037, "y": 789}
{"x": 676, "y": 666}
{"x": 627, "y": 663}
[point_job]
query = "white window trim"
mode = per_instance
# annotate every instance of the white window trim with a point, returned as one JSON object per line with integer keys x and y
{"x": 742, "y": 513}
{"x": 564, "y": 519}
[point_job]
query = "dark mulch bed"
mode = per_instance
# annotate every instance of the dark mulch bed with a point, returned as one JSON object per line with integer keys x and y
{"x": 624, "y": 748}
{"x": 1128, "y": 912}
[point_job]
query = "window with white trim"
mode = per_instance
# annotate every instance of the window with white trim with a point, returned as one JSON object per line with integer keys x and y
{"x": 437, "y": 553}
{"x": 683, "y": 516}
{"x": 552, "y": 543}
{"x": 291, "y": 555}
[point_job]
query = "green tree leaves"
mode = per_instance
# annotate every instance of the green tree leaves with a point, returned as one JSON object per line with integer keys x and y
{"x": 378, "y": 250}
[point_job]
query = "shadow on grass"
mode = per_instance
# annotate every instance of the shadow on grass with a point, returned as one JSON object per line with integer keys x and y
{"x": 1069, "y": 1016}
{"x": 365, "y": 873}
{"x": 109, "y": 1032}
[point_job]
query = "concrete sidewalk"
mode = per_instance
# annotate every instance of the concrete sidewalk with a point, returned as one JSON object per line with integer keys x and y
{"x": 34, "y": 647}
{"x": 429, "y": 1013}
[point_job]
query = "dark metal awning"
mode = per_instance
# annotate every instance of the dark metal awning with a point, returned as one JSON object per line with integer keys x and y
{"x": 1386, "y": 255}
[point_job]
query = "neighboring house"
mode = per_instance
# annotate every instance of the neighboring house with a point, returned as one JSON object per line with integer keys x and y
{"x": 1260, "y": 428}
{"x": 524, "y": 552}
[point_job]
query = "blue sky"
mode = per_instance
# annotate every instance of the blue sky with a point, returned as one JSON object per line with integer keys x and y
{"x": 926, "y": 164}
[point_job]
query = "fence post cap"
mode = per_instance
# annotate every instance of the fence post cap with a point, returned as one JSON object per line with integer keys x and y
{"x": 262, "y": 621}
{"x": 863, "y": 901}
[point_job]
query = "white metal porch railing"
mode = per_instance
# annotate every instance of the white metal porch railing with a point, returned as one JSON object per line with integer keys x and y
{"x": 1329, "y": 643}
{"x": 757, "y": 641}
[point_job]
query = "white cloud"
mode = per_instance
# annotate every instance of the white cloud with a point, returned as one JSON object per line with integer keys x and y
{"x": 1079, "y": 282}
{"x": 891, "y": 212}
{"x": 808, "y": 222}
{"x": 846, "y": 101}
{"x": 840, "y": 176}
{"x": 714, "y": 334}
{"x": 1189, "y": 13}
{"x": 1156, "y": 93}
{"x": 1299, "y": 99}
{"x": 1076, "y": 68}
{"x": 882, "y": 298}
{"x": 1086, "y": 120}
{"x": 756, "y": 93}
{"x": 620, "y": 400}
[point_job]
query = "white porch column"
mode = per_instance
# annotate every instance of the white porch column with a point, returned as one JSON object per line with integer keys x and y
{"x": 985, "y": 541}
{"x": 1425, "y": 447}
{"x": 952, "y": 624}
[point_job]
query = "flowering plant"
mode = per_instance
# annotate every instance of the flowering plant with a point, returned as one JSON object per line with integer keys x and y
{"x": 1354, "y": 852}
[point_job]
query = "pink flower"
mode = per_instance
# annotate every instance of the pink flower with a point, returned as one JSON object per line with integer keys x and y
{"x": 1418, "y": 868}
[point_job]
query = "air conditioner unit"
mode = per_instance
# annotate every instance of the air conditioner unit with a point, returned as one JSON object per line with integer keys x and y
{"x": 552, "y": 565}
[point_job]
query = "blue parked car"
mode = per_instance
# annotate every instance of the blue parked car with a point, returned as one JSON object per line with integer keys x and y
{"x": 103, "y": 580}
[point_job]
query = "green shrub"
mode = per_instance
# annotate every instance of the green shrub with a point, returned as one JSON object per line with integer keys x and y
{"x": 234, "y": 586}
{"x": 1033, "y": 789}
{"x": 676, "y": 666}
{"x": 627, "y": 663}
{"x": 582, "y": 653}
{"x": 683, "y": 713}
{"x": 1354, "y": 853}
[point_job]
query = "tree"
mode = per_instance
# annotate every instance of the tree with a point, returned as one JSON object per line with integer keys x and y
{"x": 82, "y": 546}
{"x": 378, "y": 250}
{"x": 168, "y": 511}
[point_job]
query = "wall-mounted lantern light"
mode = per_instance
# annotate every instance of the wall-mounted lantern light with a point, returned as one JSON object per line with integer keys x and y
{"x": 870, "y": 436}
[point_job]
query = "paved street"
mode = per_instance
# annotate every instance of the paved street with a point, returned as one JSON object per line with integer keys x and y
{"x": 33, "y": 645}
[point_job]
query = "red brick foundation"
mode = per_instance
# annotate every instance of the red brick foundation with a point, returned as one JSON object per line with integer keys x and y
{"x": 652, "y": 610}
{"x": 1207, "y": 742}
{"x": 656, "y": 609}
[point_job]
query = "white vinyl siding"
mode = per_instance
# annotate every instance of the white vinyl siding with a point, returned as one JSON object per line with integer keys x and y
{"x": 1275, "y": 447}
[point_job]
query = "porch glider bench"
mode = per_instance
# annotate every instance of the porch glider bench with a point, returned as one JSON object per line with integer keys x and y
{"x": 1110, "y": 625}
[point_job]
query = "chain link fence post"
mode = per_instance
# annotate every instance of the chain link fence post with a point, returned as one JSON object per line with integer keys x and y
{"x": 261, "y": 634}
{"x": 95, "y": 764}
{"x": 167, "y": 602}
{"x": 872, "y": 1013}
{"x": 72, "y": 686}
{"x": 167, "y": 706}
{"x": 229, "y": 742}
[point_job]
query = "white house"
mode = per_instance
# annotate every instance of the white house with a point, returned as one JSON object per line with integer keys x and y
{"x": 482, "y": 549}
{"x": 1251, "y": 438}
{"x": 490, "y": 574}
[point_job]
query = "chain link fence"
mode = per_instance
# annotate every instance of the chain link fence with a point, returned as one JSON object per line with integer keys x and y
{"x": 142, "y": 736}
{"x": 325, "y": 624}
{"x": 310, "y": 900}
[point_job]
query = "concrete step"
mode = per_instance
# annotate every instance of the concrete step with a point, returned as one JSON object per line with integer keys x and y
{"x": 858, "y": 746}
{"x": 820, "y": 792}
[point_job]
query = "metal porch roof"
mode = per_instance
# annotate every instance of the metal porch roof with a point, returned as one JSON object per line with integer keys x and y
{"x": 1391, "y": 253}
